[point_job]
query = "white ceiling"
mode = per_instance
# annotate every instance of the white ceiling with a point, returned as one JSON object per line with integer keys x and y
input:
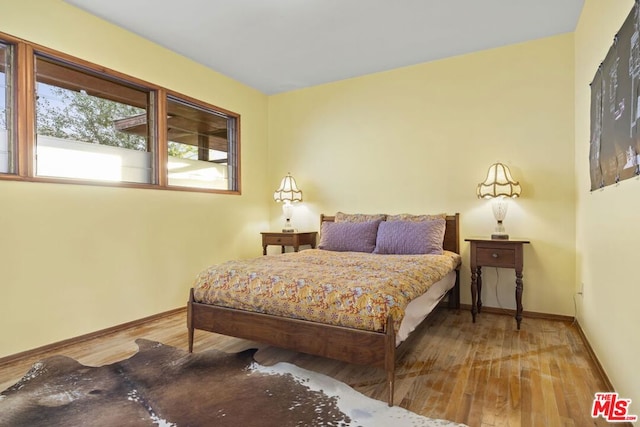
{"x": 281, "y": 45}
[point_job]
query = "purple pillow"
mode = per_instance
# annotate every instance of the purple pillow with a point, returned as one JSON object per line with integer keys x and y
{"x": 349, "y": 236}
{"x": 410, "y": 237}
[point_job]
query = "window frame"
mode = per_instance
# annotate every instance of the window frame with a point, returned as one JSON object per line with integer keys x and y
{"x": 60, "y": 73}
{"x": 234, "y": 152}
{"x": 24, "y": 132}
{"x": 11, "y": 77}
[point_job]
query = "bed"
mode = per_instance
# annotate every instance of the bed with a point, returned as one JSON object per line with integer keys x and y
{"x": 314, "y": 323}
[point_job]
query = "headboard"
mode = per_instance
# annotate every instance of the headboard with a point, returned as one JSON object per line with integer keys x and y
{"x": 451, "y": 233}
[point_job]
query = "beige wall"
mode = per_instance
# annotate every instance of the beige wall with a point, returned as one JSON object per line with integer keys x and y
{"x": 76, "y": 259}
{"x": 419, "y": 139}
{"x": 607, "y": 232}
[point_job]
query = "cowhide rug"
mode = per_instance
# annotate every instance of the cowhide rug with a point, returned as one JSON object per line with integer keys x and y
{"x": 166, "y": 386}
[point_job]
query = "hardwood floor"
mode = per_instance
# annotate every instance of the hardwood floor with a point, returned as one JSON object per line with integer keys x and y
{"x": 482, "y": 374}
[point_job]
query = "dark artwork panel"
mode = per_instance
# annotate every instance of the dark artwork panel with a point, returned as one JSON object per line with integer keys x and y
{"x": 615, "y": 109}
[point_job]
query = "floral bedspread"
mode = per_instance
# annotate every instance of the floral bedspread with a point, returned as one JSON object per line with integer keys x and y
{"x": 358, "y": 290}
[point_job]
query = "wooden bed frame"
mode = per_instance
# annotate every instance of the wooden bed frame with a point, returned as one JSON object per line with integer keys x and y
{"x": 334, "y": 342}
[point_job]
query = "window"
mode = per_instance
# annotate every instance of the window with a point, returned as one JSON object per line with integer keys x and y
{"x": 90, "y": 126}
{"x": 63, "y": 119}
{"x": 201, "y": 146}
{"x": 7, "y": 148}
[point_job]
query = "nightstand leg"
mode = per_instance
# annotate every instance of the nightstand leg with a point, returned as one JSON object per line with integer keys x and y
{"x": 474, "y": 293}
{"x": 479, "y": 289}
{"x": 519, "y": 286}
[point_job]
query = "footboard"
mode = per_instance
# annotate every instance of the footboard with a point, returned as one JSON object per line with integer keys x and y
{"x": 334, "y": 342}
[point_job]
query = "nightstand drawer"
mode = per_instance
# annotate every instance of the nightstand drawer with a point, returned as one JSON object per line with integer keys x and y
{"x": 494, "y": 257}
{"x": 278, "y": 240}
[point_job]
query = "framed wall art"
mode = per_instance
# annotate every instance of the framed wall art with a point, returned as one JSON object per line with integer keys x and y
{"x": 615, "y": 109}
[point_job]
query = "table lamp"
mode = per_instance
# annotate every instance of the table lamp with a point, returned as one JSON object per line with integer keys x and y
{"x": 288, "y": 193}
{"x": 499, "y": 185}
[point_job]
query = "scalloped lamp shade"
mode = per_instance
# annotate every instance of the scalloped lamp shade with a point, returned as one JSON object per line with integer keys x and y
{"x": 498, "y": 182}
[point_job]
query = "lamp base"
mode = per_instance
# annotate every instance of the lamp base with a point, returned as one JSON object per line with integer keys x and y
{"x": 287, "y": 227}
{"x": 500, "y": 233}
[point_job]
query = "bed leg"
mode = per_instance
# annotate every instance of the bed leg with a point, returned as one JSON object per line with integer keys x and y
{"x": 391, "y": 380}
{"x": 454, "y": 293}
{"x": 390, "y": 359}
{"x": 190, "y": 320}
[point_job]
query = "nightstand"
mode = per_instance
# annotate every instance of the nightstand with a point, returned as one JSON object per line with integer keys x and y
{"x": 495, "y": 253}
{"x": 294, "y": 239}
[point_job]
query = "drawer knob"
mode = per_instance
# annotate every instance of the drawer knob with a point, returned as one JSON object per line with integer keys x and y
{"x": 495, "y": 255}
{"x": 279, "y": 240}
